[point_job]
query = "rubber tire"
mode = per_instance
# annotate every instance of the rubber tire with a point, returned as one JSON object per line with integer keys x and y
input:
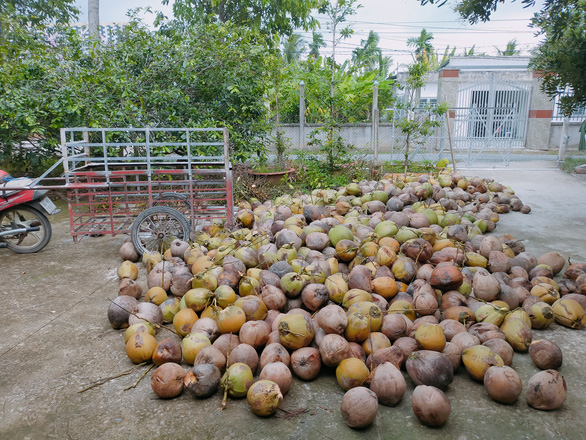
{"x": 45, "y": 229}
{"x": 175, "y": 215}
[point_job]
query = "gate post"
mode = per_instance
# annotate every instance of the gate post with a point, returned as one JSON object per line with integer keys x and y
{"x": 301, "y": 115}
{"x": 564, "y": 140}
{"x": 375, "y": 122}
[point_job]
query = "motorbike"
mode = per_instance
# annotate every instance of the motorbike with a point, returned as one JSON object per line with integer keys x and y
{"x": 24, "y": 226}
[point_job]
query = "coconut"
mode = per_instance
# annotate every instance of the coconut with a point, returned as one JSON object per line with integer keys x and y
{"x": 140, "y": 347}
{"x": 314, "y": 296}
{"x": 430, "y": 405}
{"x": 128, "y": 270}
{"x": 451, "y": 328}
{"x": 167, "y": 380}
{"x": 231, "y": 319}
{"x": 237, "y": 380}
{"x": 208, "y": 327}
{"x": 394, "y": 355}
{"x": 128, "y": 252}
{"x": 465, "y": 340}
{"x": 254, "y": 333}
{"x": 147, "y": 312}
{"x": 359, "y": 407}
{"x": 120, "y": 309}
{"x": 485, "y": 286}
{"x": 502, "y": 348}
{"x": 374, "y": 342}
{"x": 546, "y": 354}
{"x": 351, "y": 372}
{"x": 332, "y": 319}
{"x": 279, "y": 373}
{"x": 569, "y": 313}
{"x": 478, "y": 359}
{"x": 306, "y": 363}
{"x": 226, "y": 342}
{"x": 388, "y": 383}
{"x": 333, "y": 349}
{"x": 245, "y": 354}
{"x": 192, "y": 344}
{"x": 427, "y": 367}
{"x": 430, "y": 337}
{"x": 295, "y": 331}
{"x": 517, "y": 333}
{"x": 168, "y": 350}
{"x": 453, "y": 353}
{"x": 395, "y": 326}
{"x": 202, "y": 380}
{"x": 503, "y": 384}
{"x": 183, "y": 321}
{"x": 546, "y": 390}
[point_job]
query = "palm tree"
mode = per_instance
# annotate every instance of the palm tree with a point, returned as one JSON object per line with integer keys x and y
{"x": 510, "y": 50}
{"x": 368, "y": 55}
{"x": 293, "y": 47}
{"x": 94, "y": 19}
{"x": 434, "y": 61}
{"x": 316, "y": 42}
{"x": 422, "y": 44}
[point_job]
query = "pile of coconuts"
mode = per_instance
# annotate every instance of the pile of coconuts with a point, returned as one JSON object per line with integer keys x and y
{"x": 377, "y": 280}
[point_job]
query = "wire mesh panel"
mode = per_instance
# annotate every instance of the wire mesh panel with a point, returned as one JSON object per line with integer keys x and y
{"x": 113, "y": 174}
{"x": 392, "y": 140}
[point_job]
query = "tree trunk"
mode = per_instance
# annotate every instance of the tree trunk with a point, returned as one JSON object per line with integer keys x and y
{"x": 94, "y": 20}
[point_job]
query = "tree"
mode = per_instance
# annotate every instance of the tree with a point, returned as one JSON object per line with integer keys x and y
{"x": 269, "y": 17}
{"x": 368, "y": 55}
{"x": 562, "y": 55}
{"x": 292, "y": 48}
{"x": 317, "y": 41}
{"x": 510, "y": 50}
{"x": 208, "y": 75}
{"x": 422, "y": 44}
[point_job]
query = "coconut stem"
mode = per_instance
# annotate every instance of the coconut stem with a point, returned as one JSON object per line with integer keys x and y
{"x": 225, "y": 398}
{"x": 140, "y": 378}
{"x": 106, "y": 379}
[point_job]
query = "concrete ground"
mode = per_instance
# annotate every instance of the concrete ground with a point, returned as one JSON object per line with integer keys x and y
{"x": 55, "y": 340}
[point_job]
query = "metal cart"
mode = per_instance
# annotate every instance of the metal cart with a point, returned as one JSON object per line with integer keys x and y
{"x": 156, "y": 184}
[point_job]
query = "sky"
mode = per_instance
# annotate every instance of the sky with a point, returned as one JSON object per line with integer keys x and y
{"x": 395, "y": 21}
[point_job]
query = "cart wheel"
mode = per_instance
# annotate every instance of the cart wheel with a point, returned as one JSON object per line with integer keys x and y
{"x": 25, "y": 217}
{"x": 155, "y": 228}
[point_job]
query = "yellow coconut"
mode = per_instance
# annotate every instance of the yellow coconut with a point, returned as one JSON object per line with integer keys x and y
{"x": 490, "y": 313}
{"x": 192, "y": 344}
{"x": 295, "y": 331}
{"x": 430, "y": 337}
{"x": 337, "y": 287}
{"x": 403, "y": 307}
{"x": 372, "y": 312}
{"x": 517, "y": 333}
{"x": 264, "y": 397}
{"x": 156, "y": 295}
{"x": 353, "y": 296}
{"x": 128, "y": 270}
{"x": 568, "y": 313}
{"x": 184, "y": 320}
{"x": 230, "y": 319}
{"x": 351, "y": 373}
{"x": 479, "y": 358}
{"x": 541, "y": 315}
{"x": 358, "y": 327}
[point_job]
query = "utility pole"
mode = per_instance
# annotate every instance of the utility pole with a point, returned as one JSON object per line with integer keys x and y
{"x": 94, "y": 20}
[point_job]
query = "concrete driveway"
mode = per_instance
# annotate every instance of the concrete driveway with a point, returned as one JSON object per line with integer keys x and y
{"x": 55, "y": 340}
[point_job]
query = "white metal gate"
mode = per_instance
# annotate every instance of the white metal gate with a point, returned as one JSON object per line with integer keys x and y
{"x": 490, "y": 120}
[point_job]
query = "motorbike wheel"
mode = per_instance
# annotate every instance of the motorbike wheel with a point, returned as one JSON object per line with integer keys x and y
{"x": 155, "y": 228}
{"x": 25, "y": 216}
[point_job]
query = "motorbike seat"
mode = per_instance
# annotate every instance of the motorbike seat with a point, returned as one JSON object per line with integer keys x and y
{"x": 5, "y": 190}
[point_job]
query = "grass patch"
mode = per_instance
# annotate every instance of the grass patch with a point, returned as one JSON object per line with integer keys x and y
{"x": 570, "y": 163}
